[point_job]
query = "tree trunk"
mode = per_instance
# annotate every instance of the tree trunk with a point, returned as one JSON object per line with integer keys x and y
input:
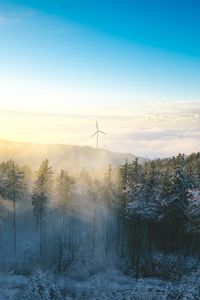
{"x": 40, "y": 229}
{"x": 61, "y": 245}
{"x": 14, "y": 225}
{"x": 137, "y": 248}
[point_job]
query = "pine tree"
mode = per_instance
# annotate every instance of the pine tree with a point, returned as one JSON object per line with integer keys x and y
{"x": 193, "y": 217}
{"x": 180, "y": 186}
{"x": 13, "y": 190}
{"x": 110, "y": 191}
{"x": 41, "y": 194}
{"x": 111, "y": 200}
{"x": 65, "y": 184}
{"x": 176, "y": 206}
{"x": 193, "y": 211}
{"x": 124, "y": 195}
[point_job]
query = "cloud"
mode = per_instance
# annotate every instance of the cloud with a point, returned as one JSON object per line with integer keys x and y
{"x": 4, "y": 20}
{"x": 152, "y": 133}
{"x": 160, "y": 142}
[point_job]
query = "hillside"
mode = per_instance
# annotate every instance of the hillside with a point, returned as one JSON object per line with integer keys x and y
{"x": 73, "y": 158}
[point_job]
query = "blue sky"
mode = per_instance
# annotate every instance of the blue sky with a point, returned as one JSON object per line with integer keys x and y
{"x": 98, "y": 52}
{"x": 170, "y": 25}
{"x": 103, "y": 59}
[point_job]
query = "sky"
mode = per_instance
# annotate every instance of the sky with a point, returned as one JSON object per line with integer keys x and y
{"x": 106, "y": 60}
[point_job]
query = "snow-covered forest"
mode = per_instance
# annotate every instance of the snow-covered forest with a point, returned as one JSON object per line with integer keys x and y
{"x": 131, "y": 233}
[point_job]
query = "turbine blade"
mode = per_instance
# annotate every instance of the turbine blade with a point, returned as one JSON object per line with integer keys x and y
{"x": 97, "y": 126}
{"x": 102, "y": 132}
{"x": 93, "y": 134}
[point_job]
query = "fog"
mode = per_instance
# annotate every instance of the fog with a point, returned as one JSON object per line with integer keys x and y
{"x": 110, "y": 232}
{"x": 146, "y": 130}
{"x": 78, "y": 236}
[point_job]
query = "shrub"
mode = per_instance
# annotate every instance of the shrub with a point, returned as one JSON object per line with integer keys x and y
{"x": 169, "y": 267}
{"x": 40, "y": 287}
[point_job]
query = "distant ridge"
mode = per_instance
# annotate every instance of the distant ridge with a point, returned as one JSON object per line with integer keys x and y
{"x": 72, "y": 158}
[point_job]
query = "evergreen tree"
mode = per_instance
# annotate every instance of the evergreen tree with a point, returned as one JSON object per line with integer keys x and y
{"x": 193, "y": 211}
{"x": 180, "y": 186}
{"x": 111, "y": 200}
{"x": 13, "y": 189}
{"x": 65, "y": 184}
{"x": 124, "y": 199}
{"x": 110, "y": 191}
{"x": 41, "y": 194}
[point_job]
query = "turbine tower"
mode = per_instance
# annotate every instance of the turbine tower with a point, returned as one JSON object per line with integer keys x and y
{"x": 97, "y": 134}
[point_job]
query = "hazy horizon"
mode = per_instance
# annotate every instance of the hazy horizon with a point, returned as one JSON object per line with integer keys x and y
{"x": 143, "y": 130}
{"x": 66, "y": 64}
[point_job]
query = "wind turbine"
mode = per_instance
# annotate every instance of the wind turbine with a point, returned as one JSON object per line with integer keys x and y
{"x": 97, "y": 134}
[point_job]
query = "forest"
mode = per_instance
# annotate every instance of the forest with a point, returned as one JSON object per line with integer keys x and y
{"x": 141, "y": 221}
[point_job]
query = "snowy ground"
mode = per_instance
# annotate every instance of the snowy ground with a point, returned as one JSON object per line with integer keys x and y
{"x": 111, "y": 284}
{"x": 114, "y": 285}
{"x": 10, "y": 285}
